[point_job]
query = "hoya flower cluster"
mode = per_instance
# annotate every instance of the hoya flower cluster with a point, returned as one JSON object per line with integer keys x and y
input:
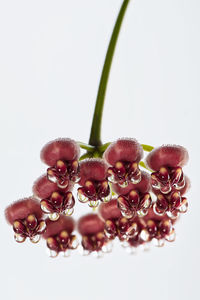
{"x": 131, "y": 205}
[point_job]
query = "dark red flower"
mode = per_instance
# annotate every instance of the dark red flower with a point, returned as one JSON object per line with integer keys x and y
{"x": 54, "y": 200}
{"x": 25, "y": 216}
{"x": 140, "y": 238}
{"x": 91, "y": 227}
{"x": 151, "y": 228}
{"x": 135, "y": 198}
{"x": 59, "y": 237}
{"x": 168, "y": 180}
{"x": 144, "y": 186}
{"x": 134, "y": 203}
{"x": 160, "y": 228}
{"x": 94, "y": 185}
{"x": 171, "y": 203}
{"x": 115, "y": 224}
{"x": 167, "y": 162}
{"x": 62, "y": 157}
{"x": 124, "y": 156}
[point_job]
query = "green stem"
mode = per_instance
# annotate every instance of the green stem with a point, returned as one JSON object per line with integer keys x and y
{"x": 95, "y": 134}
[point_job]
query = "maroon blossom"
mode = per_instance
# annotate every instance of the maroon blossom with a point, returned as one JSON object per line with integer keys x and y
{"x": 159, "y": 228}
{"x": 62, "y": 157}
{"x": 167, "y": 162}
{"x": 152, "y": 228}
{"x": 126, "y": 230}
{"x": 94, "y": 185}
{"x": 123, "y": 156}
{"x": 172, "y": 203}
{"x": 25, "y": 216}
{"x": 91, "y": 227}
{"x": 168, "y": 180}
{"x": 135, "y": 198}
{"x": 134, "y": 203}
{"x": 54, "y": 200}
{"x": 143, "y": 186}
{"x": 182, "y": 191}
{"x": 140, "y": 238}
{"x": 115, "y": 224}
{"x": 59, "y": 237}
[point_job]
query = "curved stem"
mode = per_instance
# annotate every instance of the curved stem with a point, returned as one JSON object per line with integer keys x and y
{"x": 95, "y": 134}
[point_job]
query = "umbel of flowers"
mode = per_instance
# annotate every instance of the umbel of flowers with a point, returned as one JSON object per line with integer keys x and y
{"x": 131, "y": 205}
{"x": 137, "y": 199}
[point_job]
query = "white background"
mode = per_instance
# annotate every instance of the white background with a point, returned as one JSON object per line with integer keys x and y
{"x": 51, "y": 57}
